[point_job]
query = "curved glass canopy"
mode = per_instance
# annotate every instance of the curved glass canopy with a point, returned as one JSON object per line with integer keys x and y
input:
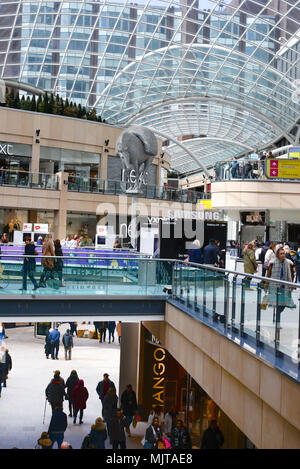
{"x": 222, "y": 77}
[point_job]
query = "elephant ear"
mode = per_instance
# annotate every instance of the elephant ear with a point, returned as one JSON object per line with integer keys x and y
{"x": 147, "y": 137}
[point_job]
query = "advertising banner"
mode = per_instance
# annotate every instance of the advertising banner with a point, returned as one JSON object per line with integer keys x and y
{"x": 27, "y": 227}
{"x": 40, "y": 227}
{"x": 294, "y": 153}
{"x": 283, "y": 169}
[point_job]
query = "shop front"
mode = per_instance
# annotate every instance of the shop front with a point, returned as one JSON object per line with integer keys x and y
{"x": 15, "y": 159}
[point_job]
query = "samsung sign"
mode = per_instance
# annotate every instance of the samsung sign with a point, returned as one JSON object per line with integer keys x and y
{"x": 6, "y": 149}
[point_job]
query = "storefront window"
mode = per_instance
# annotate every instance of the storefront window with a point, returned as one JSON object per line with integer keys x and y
{"x": 81, "y": 165}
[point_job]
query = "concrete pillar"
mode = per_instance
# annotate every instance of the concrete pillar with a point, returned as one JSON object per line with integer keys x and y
{"x": 129, "y": 356}
{"x": 103, "y": 165}
{"x": 35, "y": 157}
{"x": 60, "y": 218}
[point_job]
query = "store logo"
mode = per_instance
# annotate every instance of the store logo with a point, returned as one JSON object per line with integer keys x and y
{"x": 2, "y": 91}
{"x": 6, "y": 149}
{"x": 159, "y": 369}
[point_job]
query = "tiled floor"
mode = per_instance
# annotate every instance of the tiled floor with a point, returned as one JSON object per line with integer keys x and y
{"x": 23, "y": 401}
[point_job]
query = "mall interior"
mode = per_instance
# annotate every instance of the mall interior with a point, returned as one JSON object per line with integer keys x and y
{"x": 158, "y": 142}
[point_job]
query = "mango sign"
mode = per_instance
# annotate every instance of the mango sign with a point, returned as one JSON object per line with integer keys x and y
{"x": 283, "y": 169}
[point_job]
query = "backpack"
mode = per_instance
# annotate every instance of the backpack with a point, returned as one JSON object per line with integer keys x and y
{"x": 86, "y": 442}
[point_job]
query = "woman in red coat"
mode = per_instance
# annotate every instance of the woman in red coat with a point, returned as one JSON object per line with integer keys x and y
{"x": 79, "y": 396}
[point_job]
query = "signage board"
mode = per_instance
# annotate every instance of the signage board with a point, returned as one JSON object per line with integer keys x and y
{"x": 205, "y": 204}
{"x": 283, "y": 169}
{"x": 6, "y": 149}
{"x": 101, "y": 230}
{"x": 27, "y": 227}
{"x": 294, "y": 153}
{"x": 40, "y": 227}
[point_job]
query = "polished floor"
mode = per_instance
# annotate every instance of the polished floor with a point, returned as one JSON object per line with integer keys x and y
{"x": 23, "y": 401}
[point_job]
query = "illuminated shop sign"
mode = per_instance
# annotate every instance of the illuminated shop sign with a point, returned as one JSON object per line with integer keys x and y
{"x": 159, "y": 369}
{"x": 6, "y": 149}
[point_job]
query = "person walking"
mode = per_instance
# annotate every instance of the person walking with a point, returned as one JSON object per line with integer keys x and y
{"x": 48, "y": 344}
{"x": 109, "y": 406}
{"x": 234, "y": 167}
{"x": 195, "y": 254}
{"x": 59, "y": 263}
{"x": 55, "y": 391}
{"x": 213, "y": 437}
{"x": 103, "y": 386}
{"x": 97, "y": 329}
{"x": 79, "y": 397}
{"x": 8, "y": 366}
{"x": 111, "y": 331}
{"x": 68, "y": 344}
{"x": 2, "y": 368}
{"x": 250, "y": 264}
{"x": 29, "y": 264}
{"x": 153, "y": 435}
{"x": 71, "y": 382}
{"x": 118, "y": 425}
{"x": 180, "y": 437}
{"x": 210, "y": 253}
{"x": 119, "y": 330}
{"x": 58, "y": 426}
{"x": 103, "y": 326}
{"x": 98, "y": 434}
{"x": 44, "y": 442}
{"x": 54, "y": 337}
{"x": 47, "y": 262}
{"x": 129, "y": 403}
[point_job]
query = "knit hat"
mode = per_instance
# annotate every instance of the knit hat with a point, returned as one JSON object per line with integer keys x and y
{"x": 45, "y": 440}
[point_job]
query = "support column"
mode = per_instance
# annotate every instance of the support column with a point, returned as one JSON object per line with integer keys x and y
{"x": 103, "y": 165}
{"x": 129, "y": 356}
{"x": 35, "y": 157}
{"x": 60, "y": 218}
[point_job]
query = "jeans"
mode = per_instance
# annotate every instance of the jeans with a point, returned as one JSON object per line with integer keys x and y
{"x": 31, "y": 276}
{"x": 111, "y": 336}
{"x": 102, "y": 335}
{"x": 58, "y": 438}
{"x": 54, "y": 350}
{"x": 116, "y": 444}
{"x": 129, "y": 419}
{"x": 68, "y": 351}
{"x": 46, "y": 275}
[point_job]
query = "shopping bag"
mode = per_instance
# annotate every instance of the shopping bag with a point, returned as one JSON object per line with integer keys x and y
{"x": 53, "y": 283}
{"x": 264, "y": 302}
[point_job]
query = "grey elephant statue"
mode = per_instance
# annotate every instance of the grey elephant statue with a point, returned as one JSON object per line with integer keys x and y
{"x": 136, "y": 147}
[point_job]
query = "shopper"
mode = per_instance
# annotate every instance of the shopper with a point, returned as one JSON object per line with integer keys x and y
{"x": 103, "y": 327}
{"x": 54, "y": 337}
{"x": 269, "y": 257}
{"x": 97, "y": 329}
{"x": 234, "y": 167}
{"x": 156, "y": 412}
{"x": 195, "y": 253}
{"x": 210, "y": 253}
{"x": 103, "y": 386}
{"x": 71, "y": 382}
{"x": 79, "y": 397}
{"x": 2, "y": 368}
{"x": 8, "y": 365}
{"x": 180, "y": 437}
{"x": 59, "y": 263}
{"x": 250, "y": 264}
{"x": 44, "y": 442}
{"x": 111, "y": 331}
{"x": 67, "y": 341}
{"x": 4, "y": 239}
{"x": 48, "y": 344}
{"x": 39, "y": 241}
{"x": 153, "y": 435}
{"x": 47, "y": 262}
{"x": 118, "y": 425}
{"x": 109, "y": 406}
{"x": 119, "y": 330}
{"x": 58, "y": 426}
{"x": 213, "y": 437}
{"x": 129, "y": 403}
{"x": 248, "y": 170}
{"x": 73, "y": 328}
{"x": 297, "y": 265}
{"x": 55, "y": 391}
{"x": 98, "y": 435}
{"x": 29, "y": 264}
{"x": 170, "y": 419}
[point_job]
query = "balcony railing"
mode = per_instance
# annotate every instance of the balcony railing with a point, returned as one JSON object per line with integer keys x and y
{"x": 18, "y": 178}
{"x": 252, "y": 171}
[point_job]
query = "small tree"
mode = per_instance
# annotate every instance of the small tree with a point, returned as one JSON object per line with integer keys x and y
{"x": 33, "y": 104}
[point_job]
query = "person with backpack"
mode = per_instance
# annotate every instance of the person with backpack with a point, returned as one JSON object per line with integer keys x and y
{"x": 67, "y": 341}
{"x": 55, "y": 391}
{"x": 97, "y": 436}
{"x": 79, "y": 397}
{"x": 71, "y": 382}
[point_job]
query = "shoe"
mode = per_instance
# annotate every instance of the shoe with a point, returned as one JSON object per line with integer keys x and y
{"x": 25, "y": 289}
{"x": 35, "y": 288}
{"x": 70, "y": 415}
{"x": 74, "y": 421}
{"x": 80, "y": 421}
{"x": 56, "y": 358}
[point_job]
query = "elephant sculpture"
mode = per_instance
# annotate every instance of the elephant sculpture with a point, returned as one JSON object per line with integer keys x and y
{"x": 136, "y": 147}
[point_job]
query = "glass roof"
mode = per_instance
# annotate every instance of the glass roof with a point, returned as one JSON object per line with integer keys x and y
{"x": 221, "y": 77}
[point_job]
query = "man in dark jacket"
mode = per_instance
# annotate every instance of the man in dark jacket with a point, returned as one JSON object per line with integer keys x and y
{"x": 180, "y": 437}
{"x": 55, "y": 391}
{"x": 7, "y": 366}
{"x": 213, "y": 437}
{"x": 67, "y": 341}
{"x": 116, "y": 430}
{"x": 128, "y": 403}
{"x": 54, "y": 336}
{"x": 109, "y": 406}
{"x": 29, "y": 265}
{"x": 103, "y": 326}
{"x": 210, "y": 253}
{"x": 103, "y": 386}
{"x": 111, "y": 331}
{"x": 58, "y": 426}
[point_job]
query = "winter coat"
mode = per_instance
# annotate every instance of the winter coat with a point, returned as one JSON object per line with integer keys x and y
{"x": 128, "y": 403}
{"x": 250, "y": 264}
{"x": 29, "y": 262}
{"x": 210, "y": 254}
{"x": 58, "y": 423}
{"x": 55, "y": 391}
{"x": 111, "y": 326}
{"x": 212, "y": 439}
{"x": 54, "y": 336}
{"x": 180, "y": 439}
{"x": 59, "y": 263}
{"x": 109, "y": 406}
{"x": 98, "y": 435}
{"x": 100, "y": 388}
{"x": 153, "y": 435}
{"x": 48, "y": 250}
{"x": 80, "y": 395}
{"x": 195, "y": 255}
{"x": 47, "y": 345}
{"x": 67, "y": 340}
{"x": 116, "y": 429}
{"x": 119, "y": 329}
{"x": 8, "y": 363}
{"x": 71, "y": 382}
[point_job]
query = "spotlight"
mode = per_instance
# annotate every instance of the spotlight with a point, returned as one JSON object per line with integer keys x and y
{"x": 37, "y": 132}
{"x": 162, "y": 154}
{"x": 37, "y": 140}
{"x": 106, "y": 142}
